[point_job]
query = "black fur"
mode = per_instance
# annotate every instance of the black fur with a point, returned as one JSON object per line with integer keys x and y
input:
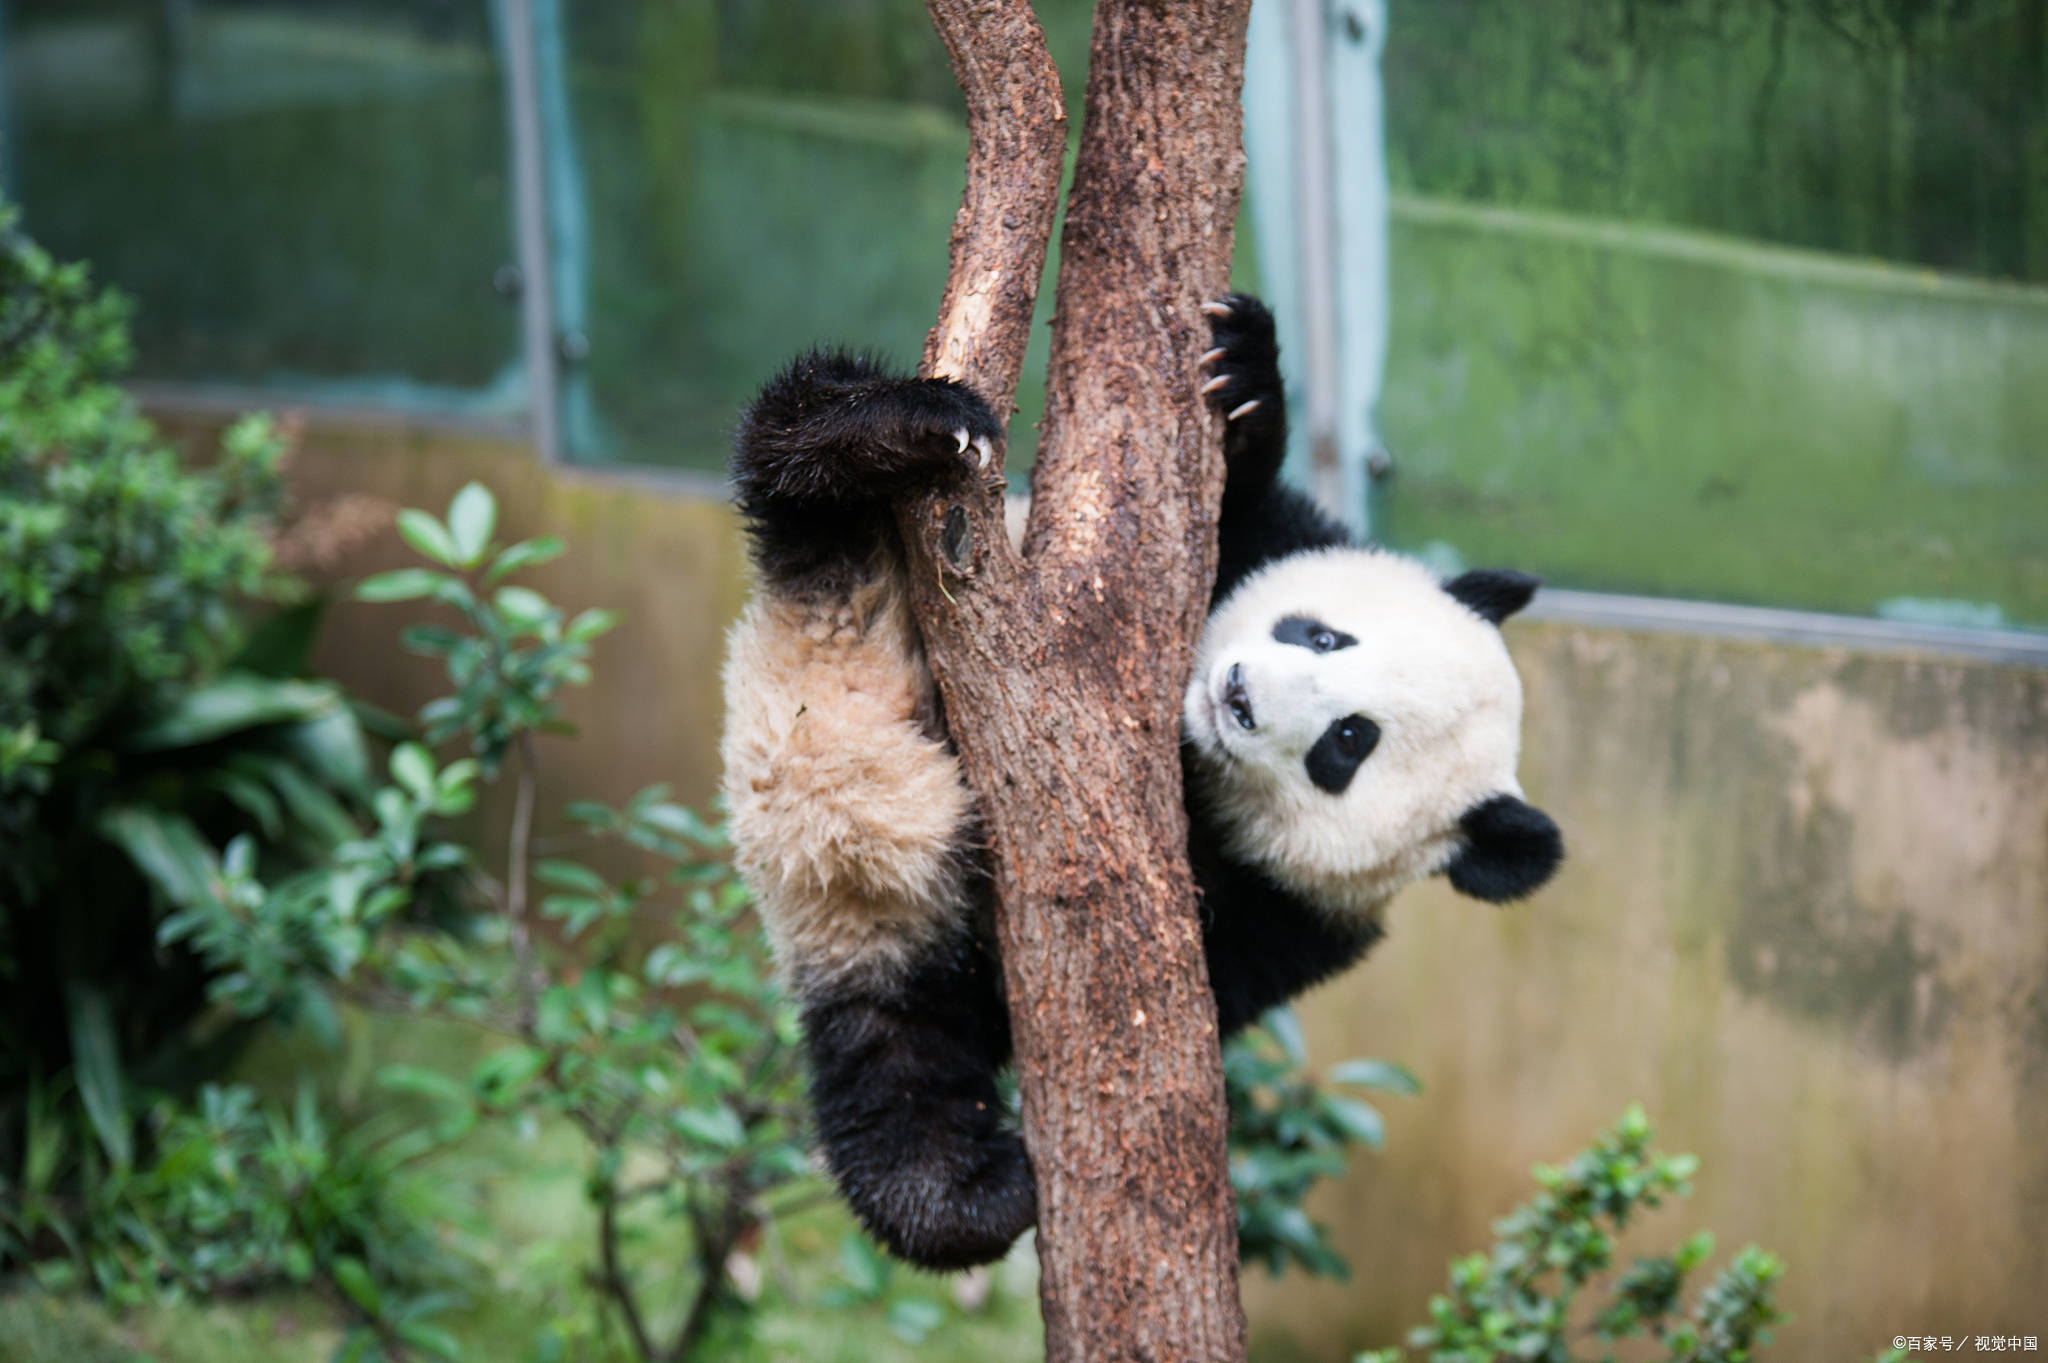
{"x": 1510, "y": 849}
{"x": 903, "y": 1088}
{"x": 824, "y": 448}
{"x": 1264, "y": 943}
{"x": 903, "y": 1066}
{"x": 1494, "y": 593}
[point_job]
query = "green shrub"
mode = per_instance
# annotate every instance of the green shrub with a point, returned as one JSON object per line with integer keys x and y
{"x": 135, "y": 726}
{"x": 1520, "y": 1302}
{"x": 1288, "y": 1133}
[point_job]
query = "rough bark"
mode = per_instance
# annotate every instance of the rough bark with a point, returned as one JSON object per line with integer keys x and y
{"x": 1061, "y": 672}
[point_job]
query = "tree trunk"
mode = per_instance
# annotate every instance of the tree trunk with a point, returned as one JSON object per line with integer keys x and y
{"x": 1061, "y": 672}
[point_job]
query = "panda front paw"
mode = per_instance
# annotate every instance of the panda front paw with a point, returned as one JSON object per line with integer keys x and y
{"x": 1244, "y": 361}
{"x": 833, "y": 427}
{"x": 1244, "y": 387}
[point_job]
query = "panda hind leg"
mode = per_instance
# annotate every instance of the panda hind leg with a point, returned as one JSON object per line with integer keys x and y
{"x": 909, "y": 1119}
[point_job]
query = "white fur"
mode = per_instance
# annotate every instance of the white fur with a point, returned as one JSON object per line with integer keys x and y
{"x": 1434, "y": 676}
{"x": 848, "y": 813}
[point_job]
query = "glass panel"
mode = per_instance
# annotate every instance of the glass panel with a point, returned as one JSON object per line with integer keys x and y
{"x": 1727, "y": 300}
{"x": 744, "y": 180}
{"x": 297, "y": 192}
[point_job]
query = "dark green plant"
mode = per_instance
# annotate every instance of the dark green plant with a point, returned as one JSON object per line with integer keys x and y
{"x": 645, "y": 1018}
{"x": 1288, "y": 1133}
{"x": 1521, "y": 1301}
{"x": 139, "y": 712}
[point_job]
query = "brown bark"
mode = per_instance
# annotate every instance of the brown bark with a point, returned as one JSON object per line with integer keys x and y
{"x": 1061, "y": 673}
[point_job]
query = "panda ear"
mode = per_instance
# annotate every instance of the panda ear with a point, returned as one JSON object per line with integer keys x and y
{"x": 1494, "y": 593}
{"x": 1510, "y": 850}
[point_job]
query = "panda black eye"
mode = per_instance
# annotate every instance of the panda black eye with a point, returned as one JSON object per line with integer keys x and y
{"x": 1338, "y": 754}
{"x": 1314, "y": 635}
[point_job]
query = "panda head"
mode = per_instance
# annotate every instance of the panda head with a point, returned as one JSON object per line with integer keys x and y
{"x": 1354, "y": 723}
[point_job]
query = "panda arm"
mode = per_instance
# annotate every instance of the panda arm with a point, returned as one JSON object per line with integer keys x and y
{"x": 828, "y": 444}
{"x": 1262, "y": 518}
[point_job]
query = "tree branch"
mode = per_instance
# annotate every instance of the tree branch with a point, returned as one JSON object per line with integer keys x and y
{"x": 1061, "y": 676}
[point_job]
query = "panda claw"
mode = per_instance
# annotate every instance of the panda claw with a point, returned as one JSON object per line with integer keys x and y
{"x": 1216, "y": 384}
{"x": 1246, "y": 410}
{"x": 960, "y": 441}
{"x": 1210, "y": 357}
{"x": 1217, "y": 309}
{"x": 983, "y": 452}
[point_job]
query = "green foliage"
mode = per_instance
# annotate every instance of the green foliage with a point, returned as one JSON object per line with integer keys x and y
{"x": 1288, "y": 1133}
{"x": 1521, "y": 1301}
{"x": 121, "y": 570}
{"x": 133, "y": 737}
{"x": 675, "y": 1063}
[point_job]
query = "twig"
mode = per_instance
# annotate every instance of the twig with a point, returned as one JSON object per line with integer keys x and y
{"x": 616, "y": 1284}
{"x": 515, "y": 885}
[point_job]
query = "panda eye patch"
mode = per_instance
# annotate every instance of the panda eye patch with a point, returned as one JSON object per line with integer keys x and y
{"x": 1314, "y": 635}
{"x": 1337, "y": 755}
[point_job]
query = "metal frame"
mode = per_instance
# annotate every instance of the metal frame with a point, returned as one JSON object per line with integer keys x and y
{"x": 1773, "y": 625}
{"x": 530, "y": 225}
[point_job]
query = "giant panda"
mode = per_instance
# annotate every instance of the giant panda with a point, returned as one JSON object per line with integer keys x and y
{"x": 1351, "y": 726}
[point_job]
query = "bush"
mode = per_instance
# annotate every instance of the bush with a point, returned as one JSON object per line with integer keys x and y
{"x": 141, "y": 719}
{"x": 1519, "y": 1302}
{"x": 1289, "y": 1133}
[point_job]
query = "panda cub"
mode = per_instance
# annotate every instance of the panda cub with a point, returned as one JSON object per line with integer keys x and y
{"x": 1352, "y": 726}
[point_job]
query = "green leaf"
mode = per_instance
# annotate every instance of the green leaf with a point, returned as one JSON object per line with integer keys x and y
{"x": 683, "y": 822}
{"x": 716, "y": 1126}
{"x": 424, "y": 1082}
{"x": 430, "y": 1338}
{"x": 96, "y": 1065}
{"x": 413, "y": 768}
{"x": 352, "y": 1277}
{"x": 522, "y": 605}
{"x": 570, "y": 875}
{"x": 863, "y": 1267}
{"x": 589, "y": 625}
{"x": 1383, "y": 1075}
{"x": 1285, "y": 1028}
{"x": 405, "y": 584}
{"x": 1357, "y": 1120}
{"x": 167, "y": 849}
{"x": 524, "y": 554}
{"x": 332, "y": 748}
{"x": 912, "y": 1318}
{"x": 429, "y": 537}
{"x": 471, "y": 518}
{"x": 229, "y": 704}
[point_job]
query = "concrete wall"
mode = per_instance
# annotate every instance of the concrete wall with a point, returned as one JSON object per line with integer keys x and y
{"x": 1804, "y": 921}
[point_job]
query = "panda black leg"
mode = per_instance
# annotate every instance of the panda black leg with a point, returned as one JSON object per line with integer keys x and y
{"x": 826, "y": 445}
{"x": 909, "y": 1119}
{"x": 1245, "y": 388}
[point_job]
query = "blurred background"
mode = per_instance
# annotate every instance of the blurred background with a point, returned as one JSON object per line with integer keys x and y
{"x": 1727, "y": 317}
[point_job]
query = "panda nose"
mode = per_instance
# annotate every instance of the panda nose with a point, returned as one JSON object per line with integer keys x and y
{"x": 1237, "y": 698}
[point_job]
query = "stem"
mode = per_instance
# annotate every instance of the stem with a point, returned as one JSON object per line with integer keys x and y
{"x": 713, "y": 1247}
{"x": 517, "y": 855}
{"x": 616, "y": 1284}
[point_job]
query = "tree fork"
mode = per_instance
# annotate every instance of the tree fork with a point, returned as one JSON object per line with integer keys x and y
{"x": 1061, "y": 672}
